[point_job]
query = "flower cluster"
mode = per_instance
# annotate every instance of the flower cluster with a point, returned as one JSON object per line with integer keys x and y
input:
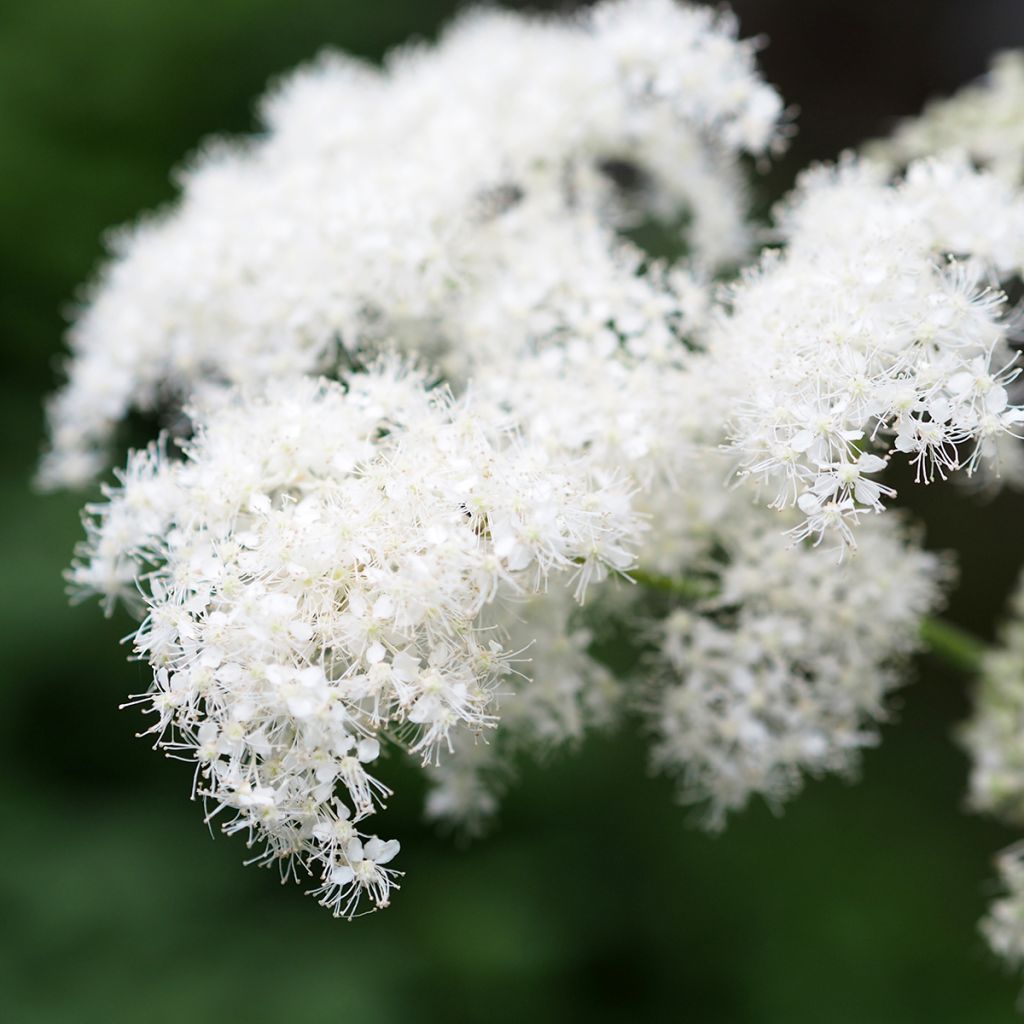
{"x": 432, "y": 392}
{"x": 782, "y": 668}
{"x": 879, "y": 328}
{"x": 1004, "y": 925}
{"x": 362, "y": 216}
{"x": 984, "y": 119}
{"x": 992, "y": 738}
{"x": 984, "y": 122}
{"x": 993, "y": 734}
{"x": 315, "y": 574}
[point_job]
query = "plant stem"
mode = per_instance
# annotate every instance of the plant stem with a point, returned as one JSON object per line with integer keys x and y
{"x": 686, "y": 588}
{"x": 944, "y": 641}
{"x": 952, "y": 645}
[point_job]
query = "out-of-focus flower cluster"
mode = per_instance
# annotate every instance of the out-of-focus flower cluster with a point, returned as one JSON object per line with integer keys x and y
{"x": 784, "y": 668}
{"x": 1004, "y": 925}
{"x": 432, "y": 397}
{"x": 994, "y": 738}
{"x": 994, "y": 734}
{"x": 985, "y": 120}
{"x": 984, "y": 123}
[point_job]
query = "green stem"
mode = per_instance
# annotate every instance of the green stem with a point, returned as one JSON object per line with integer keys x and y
{"x": 954, "y": 646}
{"x": 687, "y": 589}
{"x": 943, "y": 640}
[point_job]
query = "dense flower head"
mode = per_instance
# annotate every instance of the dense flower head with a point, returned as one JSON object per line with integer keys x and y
{"x": 878, "y": 330}
{"x": 362, "y": 214}
{"x": 429, "y": 393}
{"x": 333, "y": 570}
{"x": 783, "y": 667}
{"x": 315, "y": 575}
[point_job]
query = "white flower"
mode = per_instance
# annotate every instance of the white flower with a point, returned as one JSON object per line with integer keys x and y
{"x": 360, "y": 874}
{"x": 865, "y": 335}
{"x": 782, "y": 669}
{"x": 349, "y": 564}
{"x": 372, "y": 201}
{"x": 315, "y": 583}
{"x": 985, "y": 118}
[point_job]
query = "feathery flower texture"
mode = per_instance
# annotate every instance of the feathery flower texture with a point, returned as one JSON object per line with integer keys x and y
{"x": 315, "y": 573}
{"x": 992, "y": 737}
{"x": 880, "y": 329}
{"x": 984, "y": 123}
{"x": 367, "y": 209}
{"x": 985, "y": 120}
{"x": 437, "y": 416}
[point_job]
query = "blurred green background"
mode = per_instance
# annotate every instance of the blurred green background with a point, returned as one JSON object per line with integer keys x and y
{"x": 596, "y": 899}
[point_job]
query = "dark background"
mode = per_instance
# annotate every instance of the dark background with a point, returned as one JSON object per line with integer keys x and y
{"x": 595, "y": 899}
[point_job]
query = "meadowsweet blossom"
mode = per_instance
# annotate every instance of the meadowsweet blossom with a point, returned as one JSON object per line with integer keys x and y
{"x": 314, "y": 576}
{"x": 985, "y": 119}
{"x": 1003, "y": 926}
{"x": 333, "y": 571}
{"x": 783, "y": 667}
{"x": 429, "y": 393}
{"x": 363, "y": 211}
{"x": 878, "y": 331}
{"x": 993, "y": 736}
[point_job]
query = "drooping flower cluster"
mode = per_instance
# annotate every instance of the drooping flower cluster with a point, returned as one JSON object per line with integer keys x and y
{"x": 314, "y": 576}
{"x": 349, "y": 562}
{"x": 328, "y": 571}
{"x": 879, "y": 328}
